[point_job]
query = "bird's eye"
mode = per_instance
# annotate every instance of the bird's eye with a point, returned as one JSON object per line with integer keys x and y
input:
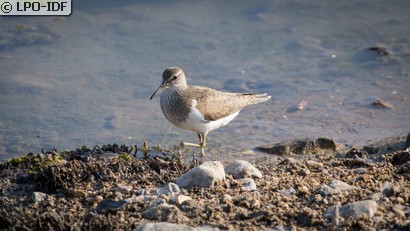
{"x": 174, "y": 77}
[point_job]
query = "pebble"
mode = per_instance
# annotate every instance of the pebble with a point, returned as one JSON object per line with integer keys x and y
{"x": 355, "y": 210}
{"x": 79, "y": 193}
{"x": 242, "y": 169}
{"x": 38, "y": 197}
{"x": 400, "y": 200}
{"x": 158, "y": 201}
{"x": 226, "y": 198}
{"x": 374, "y": 196}
{"x": 387, "y": 189}
{"x": 141, "y": 198}
{"x": 304, "y": 146}
{"x": 288, "y": 191}
{"x": 408, "y": 140}
{"x": 335, "y": 187}
{"x": 248, "y": 184}
{"x": 131, "y": 200}
{"x": 164, "y": 226}
{"x": 313, "y": 164}
{"x": 398, "y": 211}
{"x": 164, "y": 212}
{"x": 123, "y": 189}
{"x": 401, "y": 157}
{"x": 169, "y": 189}
{"x": 250, "y": 203}
{"x": 381, "y": 103}
{"x": 179, "y": 199}
{"x": 204, "y": 175}
{"x": 360, "y": 170}
{"x": 277, "y": 228}
{"x": 108, "y": 205}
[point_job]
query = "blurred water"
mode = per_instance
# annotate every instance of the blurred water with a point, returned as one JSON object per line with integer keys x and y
{"x": 87, "y": 78}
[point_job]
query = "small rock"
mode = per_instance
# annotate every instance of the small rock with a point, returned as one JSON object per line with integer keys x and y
{"x": 109, "y": 205}
{"x": 325, "y": 143}
{"x": 139, "y": 199}
{"x": 248, "y": 184}
{"x": 397, "y": 209}
{"x": 123, "y": 189}
{"x": 204, "y": 175}
{"x": 335, "y": 187}
{"x": 277, "y": 228}
{"x": 313, "y": 164}
{"x": 303, "y": 189}
{"x": 401, "y": 157}
{"x": 355, "y": 210}
{"x": 288, "y": 191}
{"x": 302, "y": 105}
{"x": 226, "y": 198}
{"x": 131, "y": 200}
{"x": 381, "y": 104}
{"x": 179, "y": 199}
{"x": 387, "y": 189}
{"x": 242, "y": 169}
{"x": 408, "y": 140}
{"x": 360, "y": 170}
{"x": 380, "y": 49}
{"x": 158, "y": 201}
{"x": 374, "y": 196}
{"x": 169, "y": 189}
{"x": 299, "y": 146}
{"x": 98, "y": 198}
{"x": 79, "y": 193}
{"x": 250, "y": 203}
{"x": 357, "y": 152}
{"x": 164, "y": 226}
{"x": 141, "y": 192}
{"x": 293, "y": 161}
{"x": 118, "y": 196}
{"x": 400, "y": 200}
{"x": 164, "y": 212}
{"x": 38, "y": 197}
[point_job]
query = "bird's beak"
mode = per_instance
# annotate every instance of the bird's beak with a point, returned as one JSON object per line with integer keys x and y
{"x": 160, "y": 87}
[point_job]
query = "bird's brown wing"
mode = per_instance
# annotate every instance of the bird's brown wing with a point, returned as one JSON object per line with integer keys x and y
{"x": 216, "y": 104}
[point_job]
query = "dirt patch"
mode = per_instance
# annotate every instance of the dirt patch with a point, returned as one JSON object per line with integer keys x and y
{"x": 107, "y": 188}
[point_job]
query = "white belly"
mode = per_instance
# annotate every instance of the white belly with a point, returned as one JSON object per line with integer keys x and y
{"x": 195, "y": 122}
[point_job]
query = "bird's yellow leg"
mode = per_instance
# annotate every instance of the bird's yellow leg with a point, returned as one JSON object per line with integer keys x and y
{"x": 201, "y": 145}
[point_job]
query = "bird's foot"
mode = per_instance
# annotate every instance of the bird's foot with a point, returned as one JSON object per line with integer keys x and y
{"x": 203, "y": 155}
{"x": 185, "y": 144}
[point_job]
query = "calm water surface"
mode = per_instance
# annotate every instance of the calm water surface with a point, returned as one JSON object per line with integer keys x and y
{"x": 87, "y": 78}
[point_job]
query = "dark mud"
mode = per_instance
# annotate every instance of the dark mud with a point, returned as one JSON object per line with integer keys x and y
{"x": 104, "y": 189}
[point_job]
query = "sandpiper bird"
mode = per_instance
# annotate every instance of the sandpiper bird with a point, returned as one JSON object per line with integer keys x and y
{"x": 197, "y": 108}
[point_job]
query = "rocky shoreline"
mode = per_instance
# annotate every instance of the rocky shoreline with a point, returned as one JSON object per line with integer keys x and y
{"x": 308, "y": 184}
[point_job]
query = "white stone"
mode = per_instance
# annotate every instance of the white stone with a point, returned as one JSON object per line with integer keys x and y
{"x": 169, "y": 189}
{"x": 164, "y": 212}
{"x": 38, "y": 196}
{"x": 242, "y": 169}
{"x": 248, "y": 184}
{"x": 355, "y": 210}
{"x": 335, "y": 187}
{"x": 179, "y": 199}
{"x": 204, "y": 175}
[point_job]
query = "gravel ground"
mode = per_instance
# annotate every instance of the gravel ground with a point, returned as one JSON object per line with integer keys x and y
{"x": 345, "y": 188}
